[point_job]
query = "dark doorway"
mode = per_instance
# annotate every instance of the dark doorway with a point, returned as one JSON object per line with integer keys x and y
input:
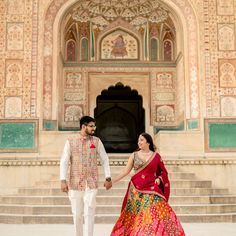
{"x": 119, "y": 118}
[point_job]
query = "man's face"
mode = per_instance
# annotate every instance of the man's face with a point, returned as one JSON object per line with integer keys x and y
{"x": 90, "y": 128}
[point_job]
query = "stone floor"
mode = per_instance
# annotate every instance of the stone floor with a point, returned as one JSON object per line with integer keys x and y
{"x": 191, "y": 229}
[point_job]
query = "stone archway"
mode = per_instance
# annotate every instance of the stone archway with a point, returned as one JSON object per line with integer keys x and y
{"x": 119, "y": 117}
{"x": 183, "y": 11}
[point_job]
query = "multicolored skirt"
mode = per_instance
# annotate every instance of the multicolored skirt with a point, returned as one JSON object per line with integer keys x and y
{"x": 147, "y": 215}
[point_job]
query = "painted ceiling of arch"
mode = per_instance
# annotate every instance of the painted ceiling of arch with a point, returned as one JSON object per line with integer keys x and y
{"x": 136, "y": 12}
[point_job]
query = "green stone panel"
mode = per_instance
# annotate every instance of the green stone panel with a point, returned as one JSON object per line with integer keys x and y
{"x": 156, "y": 129}
{"x": 222, "y": 135}
{"x": 17, "y": 135}
{"x": 193, "y": 124}
{"x": 50, "y": 125}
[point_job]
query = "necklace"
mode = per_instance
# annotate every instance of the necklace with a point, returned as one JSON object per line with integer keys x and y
{"x": 145, "y": 155}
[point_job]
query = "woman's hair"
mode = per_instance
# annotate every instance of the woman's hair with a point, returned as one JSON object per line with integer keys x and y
{"x": 149, "y": 139}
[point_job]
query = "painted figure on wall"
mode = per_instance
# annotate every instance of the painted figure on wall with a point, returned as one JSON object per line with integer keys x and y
{"x": 119, "y": 47}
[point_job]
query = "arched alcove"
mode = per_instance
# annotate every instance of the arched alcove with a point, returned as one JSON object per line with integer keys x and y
{"x": 119, "y": 118}
{"x": 182, "y": 13}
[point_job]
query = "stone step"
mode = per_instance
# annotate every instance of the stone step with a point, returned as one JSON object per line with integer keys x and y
{"x": 108, "y": 219}
{"x": 112, "y": 209}
{"x": 117, "y": 169}
{"x": 121, "y": 191}
{"x": 172, "y": 175}
{"x": 114, "y": 200}
{"x": 124, "y": 184}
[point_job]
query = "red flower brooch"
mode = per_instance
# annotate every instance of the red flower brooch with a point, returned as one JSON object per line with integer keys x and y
{"x": 92, "y": 146}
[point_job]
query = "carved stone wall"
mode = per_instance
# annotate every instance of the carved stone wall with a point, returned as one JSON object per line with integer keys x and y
{"x": 24, "y": 86}
{"x": 220, "y": 54}
{"x": 18, "y": 58}
{"x": 74, "y": 102}
{"x": 182, "y": 8}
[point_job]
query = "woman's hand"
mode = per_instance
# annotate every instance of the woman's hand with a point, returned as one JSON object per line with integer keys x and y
{"x": 157, "y": 181}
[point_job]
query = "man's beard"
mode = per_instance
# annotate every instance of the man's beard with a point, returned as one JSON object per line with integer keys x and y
{"x": 90, "y": 133}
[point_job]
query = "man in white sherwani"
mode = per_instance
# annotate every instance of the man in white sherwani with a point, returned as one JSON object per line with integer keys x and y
{"x": 79, "y": 159}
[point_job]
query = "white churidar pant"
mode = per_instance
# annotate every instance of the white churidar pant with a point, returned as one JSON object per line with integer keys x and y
{"x": 83, "y": 203}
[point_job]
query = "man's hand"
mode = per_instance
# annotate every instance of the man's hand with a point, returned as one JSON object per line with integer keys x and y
{"x": 107, "y": 184}
{"x": 64, "y": 186}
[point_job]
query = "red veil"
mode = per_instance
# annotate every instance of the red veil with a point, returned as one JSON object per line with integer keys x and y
{"x": 144, "y": 179}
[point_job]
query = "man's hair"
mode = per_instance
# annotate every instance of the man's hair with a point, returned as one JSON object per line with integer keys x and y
{"x": 85, "y": 120}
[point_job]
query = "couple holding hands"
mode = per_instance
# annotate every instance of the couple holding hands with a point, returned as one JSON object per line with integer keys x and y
{"x": 145, "y": 210}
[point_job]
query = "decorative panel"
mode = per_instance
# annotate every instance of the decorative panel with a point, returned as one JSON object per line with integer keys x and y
{"x": 74, "y": 96}
{"x": 228, "y": 106}
{"x": 15, "y": 36}
{"x": 14, "y": 73}
{"x": 226, "y": 36}
{"x": 165, "y": 80}
{"x": 225, "y": 7}
{"x": 15, "y": 7}
{"x": 18, "y": 135}
{"x": 165, "y": 114}
{"x": 220, "y": 135}
{"x": 49, "y": 124}
{"x": 13, "y": 107}
{"x": 73, "y": 113}
{"x": 73, "y": 102}
{"x": 193, "y": 124}
{"x": 119, "y": 45}
{"x": 227, "y": 72}
{"x": 73, "y": 80}
{"x": 163, "y": 98}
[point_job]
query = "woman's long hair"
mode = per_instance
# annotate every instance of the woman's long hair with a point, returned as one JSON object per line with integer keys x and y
{"x": 149, "y": 140}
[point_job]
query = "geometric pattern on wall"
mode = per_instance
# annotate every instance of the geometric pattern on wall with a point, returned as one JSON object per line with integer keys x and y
{"x": 226, "y": 37}
{"x": 18, "y": 61}
{"x": 228, "y": 106}
{"x": 74, "y": 99}
{"x": 191, "y": 53}
{"x": 220, "y": 54}
{"x": 163, "y": 98}
{"x": 13, "y": 107}
{"x": 227, "y": 73}
{"x": 225, "y": 7}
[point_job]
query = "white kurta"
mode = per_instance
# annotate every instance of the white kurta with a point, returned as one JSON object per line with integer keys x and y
{"x": 83, "y": 202}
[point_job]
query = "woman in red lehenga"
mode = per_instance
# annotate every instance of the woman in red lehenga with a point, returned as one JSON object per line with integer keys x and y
{"x": 145, "y": 210}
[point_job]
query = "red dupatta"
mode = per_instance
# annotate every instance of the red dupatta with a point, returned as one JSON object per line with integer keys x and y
{"x": 144, "y": 179}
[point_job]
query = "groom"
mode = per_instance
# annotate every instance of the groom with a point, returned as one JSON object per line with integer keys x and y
{"x": 80, "y": 152}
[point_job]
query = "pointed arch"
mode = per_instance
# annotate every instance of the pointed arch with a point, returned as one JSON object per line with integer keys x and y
{"x": 168, "y": 50}
{"x": 84, "y": 49}
{"x": 185, "y": 15}
{"x": 70, "y": 50}
{"x": 154, "y": 53}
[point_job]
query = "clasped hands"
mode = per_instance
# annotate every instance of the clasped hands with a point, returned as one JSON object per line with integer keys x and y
{"x": 107, "y": 184}
{"x": 64, "y": 186}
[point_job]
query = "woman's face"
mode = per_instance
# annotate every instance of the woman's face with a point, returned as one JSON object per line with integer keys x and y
{"x": 142, "y": 143}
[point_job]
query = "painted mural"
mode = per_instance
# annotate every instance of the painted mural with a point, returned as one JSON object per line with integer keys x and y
{"x": 119, "y": 45}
